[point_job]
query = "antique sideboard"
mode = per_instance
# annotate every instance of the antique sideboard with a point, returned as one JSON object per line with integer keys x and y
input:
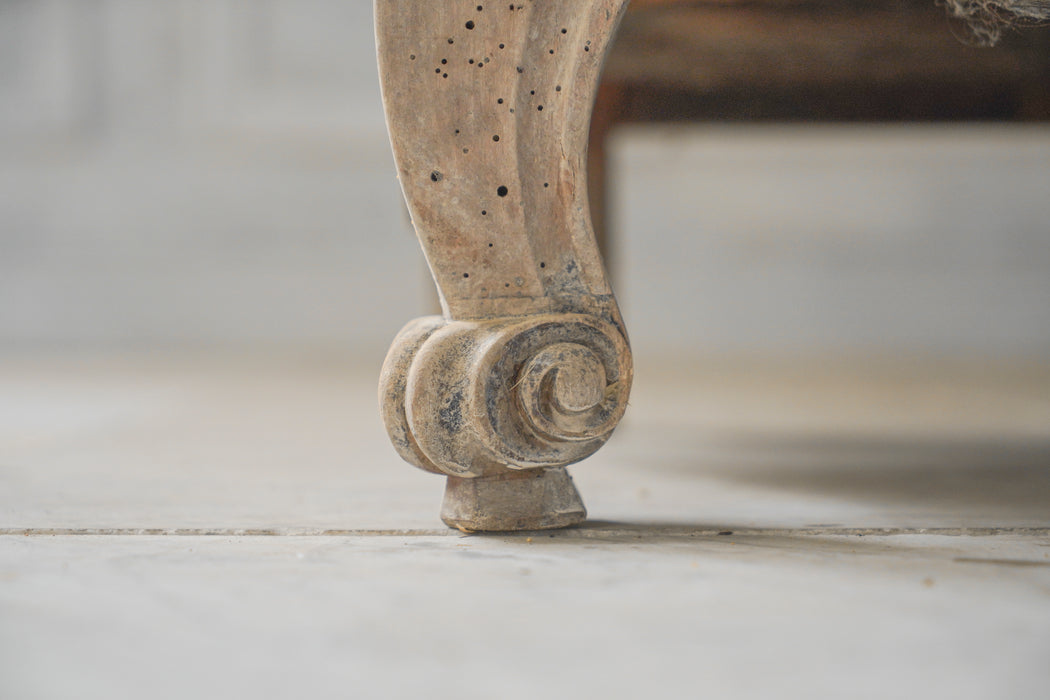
{"x": 489, "y": 106}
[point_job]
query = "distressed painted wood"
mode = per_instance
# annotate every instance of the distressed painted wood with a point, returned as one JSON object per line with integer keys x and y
{"x": 528, "y": 369}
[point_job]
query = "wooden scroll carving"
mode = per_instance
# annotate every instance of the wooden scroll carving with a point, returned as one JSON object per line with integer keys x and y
{"x": 528, "y": 369}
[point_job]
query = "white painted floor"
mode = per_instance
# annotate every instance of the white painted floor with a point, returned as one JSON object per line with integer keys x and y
{"x": 229, "y": 527}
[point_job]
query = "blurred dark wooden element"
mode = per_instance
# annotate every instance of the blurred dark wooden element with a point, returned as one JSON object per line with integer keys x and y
{"x": 808, "y": 60}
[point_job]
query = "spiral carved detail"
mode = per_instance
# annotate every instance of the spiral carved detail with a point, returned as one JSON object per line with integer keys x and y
{"x": 473, "y": 399}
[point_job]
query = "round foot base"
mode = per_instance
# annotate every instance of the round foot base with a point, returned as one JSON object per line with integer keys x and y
{"x": 538, "y": 499}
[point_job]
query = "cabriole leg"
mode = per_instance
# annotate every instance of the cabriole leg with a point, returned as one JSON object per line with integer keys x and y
{"x": 528, "y": 369}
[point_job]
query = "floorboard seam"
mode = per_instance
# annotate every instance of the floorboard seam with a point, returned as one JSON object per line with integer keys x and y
{"x": 586, "y": 532}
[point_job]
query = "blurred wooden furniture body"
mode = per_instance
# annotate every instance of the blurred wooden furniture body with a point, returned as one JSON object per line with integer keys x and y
{"x": 809, "y": 60}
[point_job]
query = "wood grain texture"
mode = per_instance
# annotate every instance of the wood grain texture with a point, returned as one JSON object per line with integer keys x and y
{"x": 704, "y": 46}
{"x": 884, "y": 60}
{"x": 529, "y": 368}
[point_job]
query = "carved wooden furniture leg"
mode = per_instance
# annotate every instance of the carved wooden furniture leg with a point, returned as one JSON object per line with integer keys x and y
{"x": 529, "y": 369}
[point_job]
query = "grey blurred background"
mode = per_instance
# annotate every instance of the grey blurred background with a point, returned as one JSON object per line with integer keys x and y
{"x": 191, "y": 174}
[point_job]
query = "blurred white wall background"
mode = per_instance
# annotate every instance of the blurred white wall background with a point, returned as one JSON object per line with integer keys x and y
{"x": 187, "y": 173}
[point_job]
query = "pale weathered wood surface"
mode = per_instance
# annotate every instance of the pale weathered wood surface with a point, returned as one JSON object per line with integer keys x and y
{"x": 889, "y": 525}
{"x": 529, "y": 369}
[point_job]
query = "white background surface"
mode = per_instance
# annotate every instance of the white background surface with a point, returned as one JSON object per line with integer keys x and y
{"x": 188, "y": 173}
